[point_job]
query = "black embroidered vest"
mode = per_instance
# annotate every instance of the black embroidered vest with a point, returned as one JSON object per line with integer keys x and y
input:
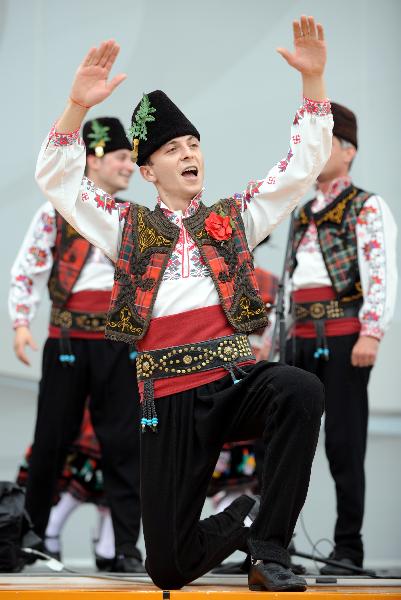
{"x": 336, "y": 227}
{"x": 148, "y": 241}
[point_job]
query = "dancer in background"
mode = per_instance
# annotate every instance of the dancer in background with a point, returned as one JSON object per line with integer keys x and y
{"x": 343, "y": 280}
{"x": 81, "y": 482}
{"x": 77, "y": 361}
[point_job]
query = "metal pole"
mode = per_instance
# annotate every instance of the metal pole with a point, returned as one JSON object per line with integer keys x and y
{"x": 279, "y": 325}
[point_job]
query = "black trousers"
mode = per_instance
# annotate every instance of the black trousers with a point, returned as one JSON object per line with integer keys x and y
{"x": 280, "y": 403}
{"x": 346, "y": 421}
{"x": 104, "y": 372}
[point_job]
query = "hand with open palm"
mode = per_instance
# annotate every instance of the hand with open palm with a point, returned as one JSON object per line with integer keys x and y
{"x": 309, "y": 56}
{"x": 91, "y": 85}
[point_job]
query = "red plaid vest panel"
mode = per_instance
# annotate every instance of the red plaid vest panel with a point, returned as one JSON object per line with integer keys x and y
{"x": 148, "y": 241}
{"x": 336, "y": 227}
{"x": 267, "y": 284}
{"x": 69, "y": 255}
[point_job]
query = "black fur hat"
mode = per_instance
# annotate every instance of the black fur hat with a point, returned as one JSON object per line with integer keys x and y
{"x": 345, "y": 124}
{"x": 105, "y": 134}
{"x": 155, "y": 121}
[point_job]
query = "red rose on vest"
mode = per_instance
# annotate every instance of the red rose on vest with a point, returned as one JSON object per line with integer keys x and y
{"x": 218, "y": 227}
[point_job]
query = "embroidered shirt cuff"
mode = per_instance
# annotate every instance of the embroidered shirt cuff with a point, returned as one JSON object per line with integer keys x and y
{"x": 319, "y": 109}
{"x": 371, "y": 330}
{"x": 20, "y": 323}
{"x": 63, "y": 139}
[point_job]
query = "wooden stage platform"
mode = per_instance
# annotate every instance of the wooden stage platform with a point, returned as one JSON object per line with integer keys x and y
{"x": 92, "y": 587}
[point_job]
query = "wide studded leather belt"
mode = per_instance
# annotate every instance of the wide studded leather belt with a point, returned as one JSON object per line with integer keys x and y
{"x": 224, "y": 352}
{"x": 191, "y": 358}
{"x": 324, "y": 309}
{"x": 318, "y": 313}
{"x": 72, "y": 320}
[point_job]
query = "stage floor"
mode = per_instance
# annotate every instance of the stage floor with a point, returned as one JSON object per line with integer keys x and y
{"x": 93, "y": 587}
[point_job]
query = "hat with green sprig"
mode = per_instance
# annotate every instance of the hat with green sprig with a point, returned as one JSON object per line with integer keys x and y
{"x": 103, "y": 135}
{"x": 155, "y": 121}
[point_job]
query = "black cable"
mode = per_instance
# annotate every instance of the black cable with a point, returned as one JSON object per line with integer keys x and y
{"x": 314, "y": 550}
{"x": 352, "y": 569}
{"x": 329, "y": 561}
{"x": 306, "y": 534}
{"x": 62, "y": 567}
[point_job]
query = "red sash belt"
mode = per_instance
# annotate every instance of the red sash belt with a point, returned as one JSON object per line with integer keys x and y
{"x": 87, "y": 301}
{"x": 188, "y": 327}
{"x": 333, "y": 327}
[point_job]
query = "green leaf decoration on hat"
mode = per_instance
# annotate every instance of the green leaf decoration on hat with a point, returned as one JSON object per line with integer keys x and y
{"x": 142, "y": 116}
{"x": 98, "y": 134}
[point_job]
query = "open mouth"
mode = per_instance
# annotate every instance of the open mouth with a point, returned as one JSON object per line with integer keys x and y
{"x": 190, "y": 173}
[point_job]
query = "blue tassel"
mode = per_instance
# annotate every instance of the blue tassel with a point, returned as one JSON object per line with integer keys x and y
{"x": 322, "y": 352}
{"x": 149, "y": 416}
{"x": 233, "y": 377}
{"x": 67, "y": 358}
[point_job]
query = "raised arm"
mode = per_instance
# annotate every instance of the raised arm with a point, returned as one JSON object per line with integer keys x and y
{"x": 61, "y": 163}
{"x": 266, "y": 202}
{"x": 309, "y": 57}
{"x": 90, "y": 85}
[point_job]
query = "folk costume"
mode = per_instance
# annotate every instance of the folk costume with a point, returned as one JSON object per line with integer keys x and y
{"x": 81, "y": 481}
{"x": 343, "y": 281}
{"x": 81, "y": 475}
{"x": 185, "y": 293}
{"x": 77, "y": 360}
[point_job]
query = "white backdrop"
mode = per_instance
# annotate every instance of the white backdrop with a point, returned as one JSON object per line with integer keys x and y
{"x": 217, "y": 60}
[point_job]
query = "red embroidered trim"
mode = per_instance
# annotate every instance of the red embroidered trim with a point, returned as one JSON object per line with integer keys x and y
{"x": 371, "y": 331}
{"x": 62, "y": 139}
{"x": 317, "y": 108}
{"x": 20, "y": 323}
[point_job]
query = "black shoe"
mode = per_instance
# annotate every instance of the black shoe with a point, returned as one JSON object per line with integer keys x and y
{"x": 127, "y": 564}
{"x": 229, "y": 568}
{"x": 339, "y": 570}
{"x": 103, "y": 563}
{"x": 273, "y": 577}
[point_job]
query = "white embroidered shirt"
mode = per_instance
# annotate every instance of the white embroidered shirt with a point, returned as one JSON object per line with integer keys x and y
{"x": 186, "y": 283}
{"x": 376, "y": 233}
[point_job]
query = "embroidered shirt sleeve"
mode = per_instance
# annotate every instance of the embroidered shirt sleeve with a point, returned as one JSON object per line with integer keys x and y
{"x": 266, "y": 202}
{"x": 90, "y": 210}
{"x": 31, "y": 269}
{"x": 64, "y": 139}
{"x": 376, "y": 234}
